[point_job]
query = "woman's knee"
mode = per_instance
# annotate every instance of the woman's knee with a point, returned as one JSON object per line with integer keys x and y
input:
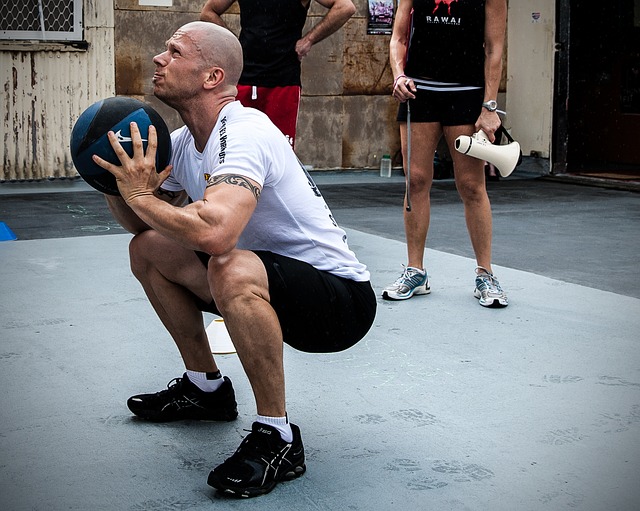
{"x": 420, "y": 178}
{"x": 472, "y": 192}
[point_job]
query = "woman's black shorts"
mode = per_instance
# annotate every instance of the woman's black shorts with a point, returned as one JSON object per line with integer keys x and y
{"x": 318, "y": 311}
{"x": 449, "y": 108}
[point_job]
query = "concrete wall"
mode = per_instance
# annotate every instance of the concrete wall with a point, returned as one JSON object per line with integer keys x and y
{"x": 140, "y": 34}
{"x": 46, "y": 86}
{"x": 530, "y": 67}
{"x": 346, "y": 87}
{"x": 347, "y": 115}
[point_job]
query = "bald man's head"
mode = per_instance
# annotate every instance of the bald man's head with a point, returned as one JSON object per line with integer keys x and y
{"x": 218, "y": 47}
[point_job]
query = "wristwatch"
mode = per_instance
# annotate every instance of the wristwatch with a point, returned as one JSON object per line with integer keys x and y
{"x": 491, "y": 105}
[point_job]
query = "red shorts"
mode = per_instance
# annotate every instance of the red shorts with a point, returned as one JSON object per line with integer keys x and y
{"x": 279, "y": 103}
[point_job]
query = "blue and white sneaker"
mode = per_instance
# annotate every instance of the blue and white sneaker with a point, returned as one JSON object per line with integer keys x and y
{"x": 413, "y": 281}
{"x": 488, "y": 289}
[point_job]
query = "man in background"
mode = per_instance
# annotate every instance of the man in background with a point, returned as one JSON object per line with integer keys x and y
{"x": 273, "y": 48}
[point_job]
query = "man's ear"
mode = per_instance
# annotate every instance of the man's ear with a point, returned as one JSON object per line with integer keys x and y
{"x": 214, "y": 78}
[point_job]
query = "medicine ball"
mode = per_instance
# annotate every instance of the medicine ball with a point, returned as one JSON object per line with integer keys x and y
{"x": 89, "y": 137}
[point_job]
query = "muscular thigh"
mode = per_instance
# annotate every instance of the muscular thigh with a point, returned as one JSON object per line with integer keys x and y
{"x": 318, "y": 312}
{"x": 150, "y": 251}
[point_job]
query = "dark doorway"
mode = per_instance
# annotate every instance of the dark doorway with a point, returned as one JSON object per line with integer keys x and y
{"x": 597, "y": 103}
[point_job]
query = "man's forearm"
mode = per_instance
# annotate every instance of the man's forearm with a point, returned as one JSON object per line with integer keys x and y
{"x": 335, "y": 18}
{"x": 212, "y": 17}
{"x": 124, "y": 215}
{"x": 212, "y": 11}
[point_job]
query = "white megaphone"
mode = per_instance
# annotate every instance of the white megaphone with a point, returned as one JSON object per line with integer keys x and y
{"x": 504, "y": 157}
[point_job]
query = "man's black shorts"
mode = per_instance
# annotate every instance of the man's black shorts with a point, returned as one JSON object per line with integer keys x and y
{"x": 318, "y": 311}
{"x": 449, "y": 108}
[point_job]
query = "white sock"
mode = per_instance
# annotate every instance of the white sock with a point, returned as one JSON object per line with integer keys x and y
{"x": 280, "y": 423}
{"x": 207, "y": 382}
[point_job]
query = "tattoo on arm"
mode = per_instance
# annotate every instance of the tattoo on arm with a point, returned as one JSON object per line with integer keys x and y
{"x": 167, "y": 193}
{"x": 175, "y": 198}
{"x": 235, "y": 180}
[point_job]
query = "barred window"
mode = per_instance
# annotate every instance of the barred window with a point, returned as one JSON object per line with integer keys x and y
{"x": 41, "y": 20}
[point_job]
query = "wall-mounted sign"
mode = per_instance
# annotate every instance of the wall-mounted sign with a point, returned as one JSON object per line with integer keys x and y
{"x": 380, "y": 17}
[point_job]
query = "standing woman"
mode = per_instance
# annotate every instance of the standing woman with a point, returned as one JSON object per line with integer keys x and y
{"x": 446, "y": 59}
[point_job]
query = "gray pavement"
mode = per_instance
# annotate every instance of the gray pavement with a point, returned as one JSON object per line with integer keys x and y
{"x": 444, "y": 405}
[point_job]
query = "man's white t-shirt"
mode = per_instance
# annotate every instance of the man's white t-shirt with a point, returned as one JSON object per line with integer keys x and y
{"x": 291, "y": 218}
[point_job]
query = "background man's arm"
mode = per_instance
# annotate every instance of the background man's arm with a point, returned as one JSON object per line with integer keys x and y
{"x": 339, "y": 12}
{"x": 213, "y": 9}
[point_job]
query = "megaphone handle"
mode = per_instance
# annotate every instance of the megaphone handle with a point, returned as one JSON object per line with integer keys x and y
{"x": 502, "y": 131}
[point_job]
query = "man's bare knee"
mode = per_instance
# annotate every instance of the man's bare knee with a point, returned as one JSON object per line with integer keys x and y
{"x": 141, "y": 251}
{"x": 236, "y": 278}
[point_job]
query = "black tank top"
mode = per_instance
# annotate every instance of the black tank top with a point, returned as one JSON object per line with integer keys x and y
{"x": 268, "y": 35}
{"x": 447, "y": 41}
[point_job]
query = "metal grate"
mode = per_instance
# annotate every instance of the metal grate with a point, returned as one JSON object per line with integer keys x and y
{"x": 43, "y": 20}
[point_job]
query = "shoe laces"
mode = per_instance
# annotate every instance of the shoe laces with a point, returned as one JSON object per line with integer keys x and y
{"x": 254, "y": 446}
{"x": 488, "y": 278}
{"x": 407, "y": 274}
{"x": 175, "y": 389}
{"x": 172, "y": 386}
{"x": 181, "y": 397}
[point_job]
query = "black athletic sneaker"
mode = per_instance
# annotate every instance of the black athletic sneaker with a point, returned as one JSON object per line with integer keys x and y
{"x": 262, "y": 460}
{"x": 183, "y": 400}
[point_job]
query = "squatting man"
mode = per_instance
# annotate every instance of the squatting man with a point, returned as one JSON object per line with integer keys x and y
{"x": 234, "y": 226}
